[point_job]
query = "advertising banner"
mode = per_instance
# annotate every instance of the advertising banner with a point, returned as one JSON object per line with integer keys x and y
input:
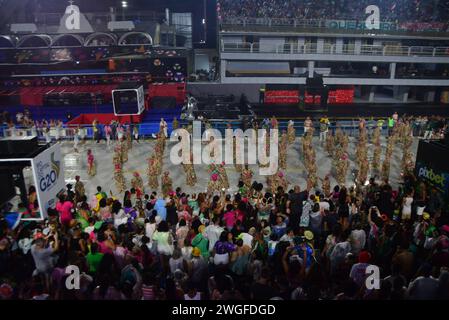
{"x": 432, "y": 165}
{"x": 358, "y": 25}
{"x": 437, "y": 179}
{"x": 48, "y": 174}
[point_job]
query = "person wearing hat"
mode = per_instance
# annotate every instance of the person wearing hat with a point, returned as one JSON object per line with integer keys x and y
{"x": 358, "y": 270}
{"x": 201, "y": 242}
{"x": 309, "y": 248}
{"x": 197, "y": 266}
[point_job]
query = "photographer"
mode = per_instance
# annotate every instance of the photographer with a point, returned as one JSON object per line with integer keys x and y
{"x": 43, "y": 251}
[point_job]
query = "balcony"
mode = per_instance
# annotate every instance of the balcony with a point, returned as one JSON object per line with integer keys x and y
{"x": 332, "y": 26}
{"x": 328, "y": 49}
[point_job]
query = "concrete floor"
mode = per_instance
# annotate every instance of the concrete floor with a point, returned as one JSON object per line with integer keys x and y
{"x": 76, "y": 163}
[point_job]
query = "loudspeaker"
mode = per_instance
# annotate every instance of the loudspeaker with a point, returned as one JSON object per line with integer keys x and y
{"x": 18, "y": 146}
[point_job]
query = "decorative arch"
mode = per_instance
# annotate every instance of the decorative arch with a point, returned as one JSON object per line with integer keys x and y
{"x": 99, "y": 35}
{"x": 44, "y": 41}
{"x": 73, "y": 40}
{"x": 7, "y": 41}
{"x": 123, "y": 41}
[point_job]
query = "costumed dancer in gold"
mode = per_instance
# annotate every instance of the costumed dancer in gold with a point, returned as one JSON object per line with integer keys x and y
{"x": 282, "y": 181}
{"x": 407, "y": 162}
{"x": 291, "y": 132}
{"x": 153, "y": 173}
{"x": 167, "y": 184}
{"x": 80, "y": 191}
{"x": 118, "y": 174}
{"x": 283, "y": 151}
{"x": 330, "y": 144}
{"x": 326, "y": 185}
{"x": 247, "y": 177}
{"x": 375, "y": 164}
{"x": 309, "y": 159}
{"x": 129, "y": 140}
{"x": 214, "y": 183}
{"x": 175, "y": 123}
{"x": 385, "y": 170}
{"x": 362, "y": 157}
{"x": 189, "y": 171}
{"x": 236, "y": 150}
{"x": 341, "y": 166}
{"x": 224, "y": 181}
{"x": 266, "y": 135}
{"x": 123, "y": 145}
{"x": 277, "y": 180}
{"x": 274, "y": 123}
{"x": 137, "y": 184}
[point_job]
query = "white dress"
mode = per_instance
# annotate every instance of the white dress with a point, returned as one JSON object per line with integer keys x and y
{"x": 407, "y": 208}
{"x": 76, "y": 140}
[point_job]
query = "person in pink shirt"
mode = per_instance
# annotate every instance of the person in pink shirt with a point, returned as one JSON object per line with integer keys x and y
{"x": 90, "y": 163}
{"x": 240, "y": 212}
{"x": 64, "y": 207}
{"x": 107, "y": 134}
{"x": 230, "y": 217}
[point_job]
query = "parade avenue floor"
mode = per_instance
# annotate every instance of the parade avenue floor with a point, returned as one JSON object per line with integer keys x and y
{"x": 76, "y": 164}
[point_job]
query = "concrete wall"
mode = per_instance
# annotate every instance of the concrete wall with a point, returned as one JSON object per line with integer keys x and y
{"x": 204, "y": 89}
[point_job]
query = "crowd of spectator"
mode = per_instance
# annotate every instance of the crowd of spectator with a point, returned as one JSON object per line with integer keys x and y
{"x": 392, "y": 11}
{"x": 257, "y": 243}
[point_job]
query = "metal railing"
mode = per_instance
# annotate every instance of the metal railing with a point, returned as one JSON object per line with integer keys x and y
{"x": 333, "y": 49}
{"x": 67, "y": 132}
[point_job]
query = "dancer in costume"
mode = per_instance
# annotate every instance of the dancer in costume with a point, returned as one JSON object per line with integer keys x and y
{"x": 291, "y": 132}
{"x": 80, "y": 191}
{"x": 91, "y": 170}
{"x": 167, "y": 184}
{"x": 224, "y": 181}
{"x": 152, "y": 173}
{"x": 137, "y": 184}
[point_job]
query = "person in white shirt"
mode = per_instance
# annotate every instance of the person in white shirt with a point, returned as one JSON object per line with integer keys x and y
{"x": 150, "y": 227}
{"x": 339, "y": 251}
{"x": 247, "y": 238}
{"x": 324, "y": 206}
{"x": 213, "y": 231}
{"x": 407, "y": 206}
{"x": 163, "y": 127}
{"x": 358, "y": 239}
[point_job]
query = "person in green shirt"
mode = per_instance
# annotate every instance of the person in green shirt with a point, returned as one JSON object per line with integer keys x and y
{"x": 390, "y": 125}
{"x": 94, "y": 258}
{"x": 101, "y": 193}
{"x": 201, "y": 242}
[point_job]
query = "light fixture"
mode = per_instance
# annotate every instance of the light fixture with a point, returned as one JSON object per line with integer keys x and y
{"x": 204, "y": 21}
{"x": 124, "y": 4}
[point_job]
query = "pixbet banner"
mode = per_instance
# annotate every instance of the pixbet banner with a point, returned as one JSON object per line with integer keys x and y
{"x": 48, "y": 174}
{"x": 437, "y": 179}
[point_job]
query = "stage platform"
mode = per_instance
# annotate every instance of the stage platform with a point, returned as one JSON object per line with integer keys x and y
{"x": 350, "y": 111}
